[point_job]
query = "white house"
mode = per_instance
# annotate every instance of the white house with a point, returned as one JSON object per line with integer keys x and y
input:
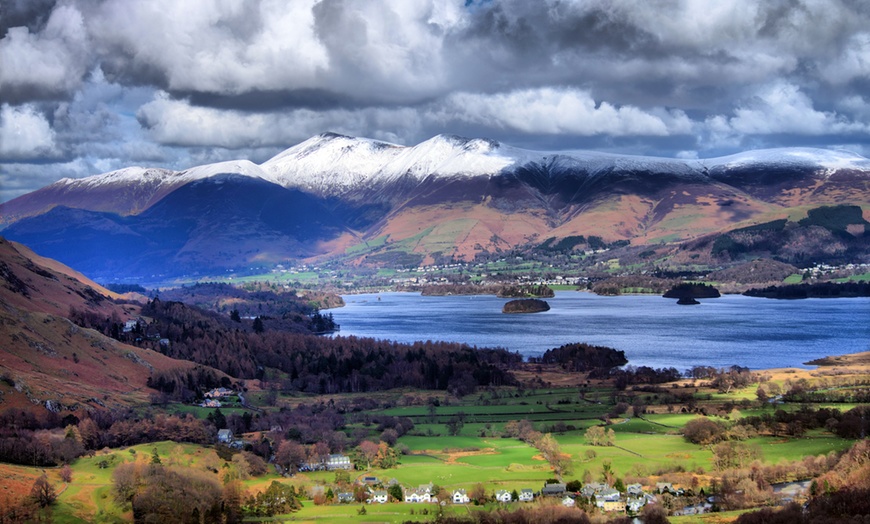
{"x": 334, "y": 462}
{"x": 460, "y": 497}
{"x": 503, "y": 495}
{"x": 568, "y": 502}
{"x": 379, "y": 496}
{"x": 225, "y": 436}
{"x": 417, "y": 495}
{"x": 218, "y": 392}
{"x": 527, "y": 495}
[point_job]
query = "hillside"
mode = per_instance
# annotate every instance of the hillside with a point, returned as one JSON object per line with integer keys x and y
{"x": 373, "y": 203}
{"x": 46, "y": 358}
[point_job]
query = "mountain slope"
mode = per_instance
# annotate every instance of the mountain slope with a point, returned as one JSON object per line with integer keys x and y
{"x": 448, "y": 196}
{"x": 45, "y": 358}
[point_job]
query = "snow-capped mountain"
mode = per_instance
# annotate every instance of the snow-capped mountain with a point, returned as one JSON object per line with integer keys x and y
{"x": 469, "y": 195}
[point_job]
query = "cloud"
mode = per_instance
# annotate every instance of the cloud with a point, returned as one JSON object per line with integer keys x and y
{"x": 782, "y": 108}
{"x": 48, "y": 63}
{"x": 25, "y": 134}
{"x": 561, "y": 111}
{"x": 178, "y": 123}
{"x": 175, "y": 83}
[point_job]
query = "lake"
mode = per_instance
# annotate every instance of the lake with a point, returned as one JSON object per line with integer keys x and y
{"x": 653, "y": 331}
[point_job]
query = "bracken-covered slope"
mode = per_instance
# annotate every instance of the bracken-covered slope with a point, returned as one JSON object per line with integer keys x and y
{"x": 45, "y": 358}
{"x": 446, "y": 197}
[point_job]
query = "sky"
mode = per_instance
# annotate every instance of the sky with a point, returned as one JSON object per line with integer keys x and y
{"x": 89, "y": 86}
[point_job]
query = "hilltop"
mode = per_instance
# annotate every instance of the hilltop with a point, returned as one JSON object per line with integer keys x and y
{"x": 363, "y": 202}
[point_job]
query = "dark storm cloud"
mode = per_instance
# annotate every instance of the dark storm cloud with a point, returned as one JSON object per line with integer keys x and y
{"x": 99, "y": 84}
{"x": 32, "y": 14}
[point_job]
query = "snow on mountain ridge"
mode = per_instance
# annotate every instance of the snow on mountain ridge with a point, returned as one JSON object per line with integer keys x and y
{"x": 333, "y": 164}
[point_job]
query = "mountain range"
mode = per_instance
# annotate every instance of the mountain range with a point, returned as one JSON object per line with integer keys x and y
{"x": 372, "y": 202}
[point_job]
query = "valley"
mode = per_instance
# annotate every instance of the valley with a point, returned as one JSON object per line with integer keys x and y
{"x": 108, "y": 398}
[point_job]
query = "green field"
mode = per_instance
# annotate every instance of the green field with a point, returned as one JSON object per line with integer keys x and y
{"x": 478, "y": 454}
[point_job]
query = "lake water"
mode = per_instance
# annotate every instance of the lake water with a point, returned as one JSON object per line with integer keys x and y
{"x": 653, "y": 331}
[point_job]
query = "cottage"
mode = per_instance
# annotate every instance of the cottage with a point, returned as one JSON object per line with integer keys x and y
{"x": 225, "y": 436}
{"x": 607, "y": 494}
{"x": 210, "y": 403}
{"x": 634, "y": 489}
{"x": 593, "y": 489}
{"x": 527, "y": 495}
{"x": 379, "y": 497}
{"x": 553, "y": 490}
{"x": 665, "y": 487}
{"x": 568, "y": 502}
{"x": 634, "y": 505}
{"x": 334, "y": 462}
{"x": 417, "y": 495}
{"x": 613, "y": 505}
{"x": 345, "y": 497}
{"x": 460, "y": 497}
{"x": 218, "y": 393}
{"x": 130, "y": 325}
{"x": 503, "y": 495}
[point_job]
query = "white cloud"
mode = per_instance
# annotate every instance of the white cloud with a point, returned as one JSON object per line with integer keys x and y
{"x": 561, "y": 111}
{"x": 51, "y": 61}
{"x": 25, "y": 133}
{"x": 177, "y": 122}
{"x": 783, "y": 108}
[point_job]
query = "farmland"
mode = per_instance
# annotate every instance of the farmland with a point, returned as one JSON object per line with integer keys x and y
{"x": 464, "y": 443}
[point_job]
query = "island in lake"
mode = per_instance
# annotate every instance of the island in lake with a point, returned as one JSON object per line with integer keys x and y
{"x": 688, "y": 292}
{"x": 526, "y": 305}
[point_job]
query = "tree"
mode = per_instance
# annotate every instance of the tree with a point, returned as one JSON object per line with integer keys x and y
{"x": 369, "y": 452}
{"x": 258, "y": 325}
{"x": 703, "y": 431}
{"x": 43, "y": 492}
{"x": 289, "y": 455}
{"x": 478, "y": 494}
{"x": 234, "y": 316}
{"x": 395, "y": 491}
{"x": 454, "y": 425}
{"x": 231, "y": 500}
{"x": 66, "y": 473}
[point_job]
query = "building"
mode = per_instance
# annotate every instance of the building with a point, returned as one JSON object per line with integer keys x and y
{"x": 665, "y": 487}
{"x": 612, "y": 505}
{"x": 553, "y": 490}
{"x": 334, "y": 462}
{"x": 527, "y": 495}
{"x": 219, "y": 393}
{"x": 345, "y": 497}
{"x": 634, "y": 489}
{"x": 417, "y": 495}
{"x": 568, "y": 502}
{"x": 460, "y": 497}
{"x": 379, "y": 497}
{"x": 225, "y": 436}
{"x": 593, "y": 489}
{"x": 503, "y": 495}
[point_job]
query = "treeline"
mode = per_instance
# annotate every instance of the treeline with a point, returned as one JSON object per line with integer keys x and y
{"x": 817, "y": 290}
{"x": 326, "y": 365}
{"x": 499, "y": 290}
{"x": 526, "y": 291}
{"x": 622, "y": 378}
{"x": 49, "y": 440}
{"x": 852, "y": 424}
{"x": 632, "y": 284}
{"x": 583, "y": 357}
{"x": 260, "y": 300}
